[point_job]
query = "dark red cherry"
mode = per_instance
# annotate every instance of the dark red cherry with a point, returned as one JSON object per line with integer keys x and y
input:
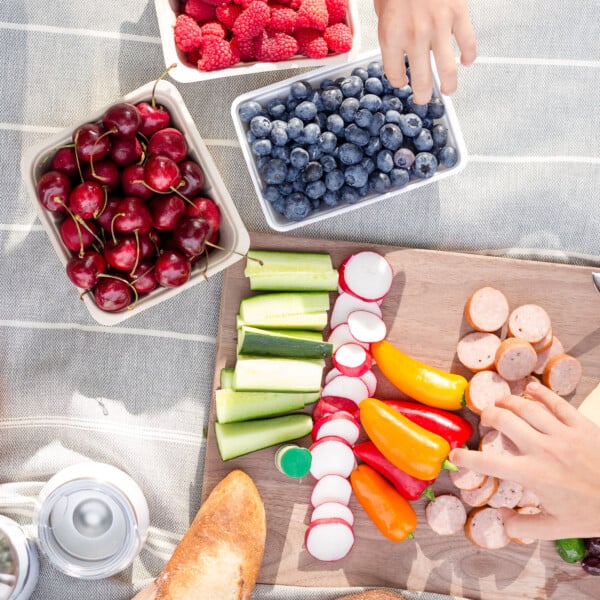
{"x": 142, "y": 277}
{"x": 132, "y": 182}
{"x": 105, "y": 172}
{"x": 168, "y": 142}
{"x": 105, "y": 217}
{"x": 83, "y": 270}
{"x": 112, "y": 294}
{"x": 77, "y": 236}
{"x": 122, "y": 119}
{"x": 132, "y": 215}
{"x": 192, "y": 177}
{"x": 126, "y": 151}
{"x": 122, "y": 254}
{"x": 161, "y": 173}
{"x": 53, "y": 191}
{"x": 91, "y": 142}
{"x": 154, "y": 118}
{"x": 172, "y": 269}
{"x": 64, "y": 160}
{"x": 166, "y": 211}
{"x": 205, "y": 208}
{"x": 149, "y": 244}
{"x": 190, "y": 235}
{"x": 87, "y": 199}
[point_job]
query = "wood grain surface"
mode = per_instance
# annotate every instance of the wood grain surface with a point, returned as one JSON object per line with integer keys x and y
{"x": 423, "y": 312}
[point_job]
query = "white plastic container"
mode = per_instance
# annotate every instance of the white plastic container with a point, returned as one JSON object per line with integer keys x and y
{"x": 19, "y": 571}
{"x": 187, "y": 73}
{"x": 233, "y": 233}
{"x": 279, "y": 222}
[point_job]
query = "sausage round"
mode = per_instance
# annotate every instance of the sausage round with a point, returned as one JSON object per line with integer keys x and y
{"x": 498, "y": 443}
{"x": 466, "y": 479}
{"x": 485, "y": 528}
{"x": 544, "y": 356}
{"x": 480, "y": 495}
{"x": 477, "y": 350}
{"x": 486, "y": 309}
{"x": 529, "y": 322}
{"x": 484, "y": 389}
{"x": 446, "y": 515}
{"x": 515, "y": 358}
{"x": 507, "y": 495}
{"x": 562, "y": 374}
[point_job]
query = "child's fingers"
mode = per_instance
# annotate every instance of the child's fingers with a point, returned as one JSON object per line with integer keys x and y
{"x": 445, "y": 62}
{"x": 465, "y": 38}
{"x": 532, "y": 412}
{"x": 559, "y": 407}
{"x": 512, "y": 424}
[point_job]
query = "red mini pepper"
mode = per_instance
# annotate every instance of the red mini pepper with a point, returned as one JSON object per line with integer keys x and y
{"x": 408, "y": 486}
{"x": 452, "y": 427}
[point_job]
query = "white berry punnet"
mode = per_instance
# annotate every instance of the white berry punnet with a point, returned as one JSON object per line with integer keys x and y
{"x": 340, "y": 424}
{"x": 333, "y": 509}
{"x": 352, "y": 388}
{"x": 345, "y": 304}
{"x": 352, "y": 359}
{"x": 366, "y": 275}
{"x": 366, "y": 327}
{"x": 329, "y": 539}
{"x": 331, "y": 488}
{"x": 331, "y": 455}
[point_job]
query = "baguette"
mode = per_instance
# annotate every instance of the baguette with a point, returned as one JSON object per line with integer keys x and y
{"x": 373, "y": 595}
{"x": 219, "y": 556}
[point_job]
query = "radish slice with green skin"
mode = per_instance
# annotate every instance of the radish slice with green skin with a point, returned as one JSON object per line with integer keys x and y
{"x": 330, "y": 510}
{"x": 352, "y": 359}
{"x": 369, "y": 379}
{"x": 339, "y": 424}
{"x": 366, "y": 327}
{"x": 352, "y": 388}
{"x": 345, "y": 304}
{"x": 328, "y": 405}
{"x": 331, "y": 488}
{"x": 341, "y": 335}
{"x": 329, "y": 539}
{"x": 366, "y": 275}
{"x": 331, "y": 455}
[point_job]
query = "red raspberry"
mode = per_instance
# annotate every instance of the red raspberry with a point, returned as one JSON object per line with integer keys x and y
{"x": 217, "y": 54}
{"x": 200, "y": 10}
{"x": 228, "y": 13}
{"x": 245, "y": 48}
{"x": 252, "y": 21}
{"x": 187, "y": 33}
{"x": 311, "y": 43}
{"x": 337, "y": 10}
{"x": 213, "y": 28}
{"x": 276, "y": 47}
{"x": 217, "y": 2}
{"x": 246, "y": 3}
{"x": 283, "y": 19}
{"x": 338, "y": 38}
{"x": 313, "y": 13}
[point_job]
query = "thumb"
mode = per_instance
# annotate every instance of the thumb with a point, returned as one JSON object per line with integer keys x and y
{"x": 526, "y": 528}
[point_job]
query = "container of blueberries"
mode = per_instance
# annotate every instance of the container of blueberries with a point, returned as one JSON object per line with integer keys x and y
{"x": 339, "y": 138}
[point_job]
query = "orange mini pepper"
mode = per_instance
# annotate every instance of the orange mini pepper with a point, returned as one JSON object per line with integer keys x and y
{"x": 390, "y": 512}
{"x": 417, "y": 380}
{"x": 408, "y": 446}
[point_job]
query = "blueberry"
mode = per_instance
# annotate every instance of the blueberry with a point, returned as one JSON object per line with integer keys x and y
{"x": 260, "y": 126}
{"x": 375, "y": 69}
{"x": 282, "y": 152}
{"x": 328, "y": 163}
{"x": 261, "y": 161}
{"x": 274, "y": 171}
{"x": 385, "y": 160}
{"x": 356, "y": 176}
{"x": 297, "y": 207}
{"x": 363, "y": 190}
{"x": 327, "y": 83}
{"x": 403, "y": 93}
{"x": 250, "y": 137}
{"x": 373, "y": 147}
{"x": 371, "y": 102}
{"x": 327, "y": 141}
{"x": 321, "y": 120}
{"x": 427, "y": 123}
{"x": 262, "y": 147}
{"x": 276, "y": 108}
{"x": 377, "y": 123}
{"x": 248, "y": 110}
{"x": 379, "y": 182}
{"x": 299, "y": 185}
{"x": 349, "y": 195}
{"x": 356, "y": 135}
{"x": 388, "y": 88}
{"x": 331, "y": 98}
{"x": 317, "y": 100}
{"x": 360, "y": 72}
{"x": 291, "y": 103}
{"x": 294, "y": 127}
{"x": 311, "y": 133}
{"x": 411, "y": 124}
{"x": 315, "y": 203}
{"x": 439, "y": 133}
{"x": 448, "y": 156}
{"x": 435, "y": 108}
{"x": 418, "y": 109}
{"x": 300, "y": 89}
{"x": 390, "y": 102}
{"x": 425, "y": 165}
{"x": 279, "y": 135}
{"x": 279, "y": 204}
{"x": 352, "y": 86}
{"x": 315, "y": 189}
{"x": 335, "y": 124}
{"x": 331, "y": 198}
{"x": 348, "y": 109}
{"x": 391, "y": 136}
{"x": 271, "y": 193}
{"x": 363, "y": 117}
{"x": 423, "y": 142}
{"x": 312, "y": 172}
{"x": 285, "y": 189}
{"x": 306, "y": 110}
{"x": 373, "y": 85}
{"x": 315, "y": 152}
{"x": 299, "y": 158}
{"x": 293, "y": 173}
{"x": 393, "y": 116}
{"x": 404, "y": 158}
{"x": 350, "y": 154}
{"x": 334, "y": 180}
{"x": 399, "y": 177}
{"x": 368, "y": 163}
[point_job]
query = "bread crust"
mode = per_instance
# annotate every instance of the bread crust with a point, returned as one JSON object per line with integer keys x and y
{"x": 373, "y": 595}
{"x": 222, "y": 551}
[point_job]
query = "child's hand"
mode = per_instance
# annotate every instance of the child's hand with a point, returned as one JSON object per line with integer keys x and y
{"x": 414, "y": 27}
{"x": 558, "y": 460}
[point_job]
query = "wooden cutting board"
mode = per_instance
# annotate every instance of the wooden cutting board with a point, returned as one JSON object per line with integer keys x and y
{"x": 423, "y": 312}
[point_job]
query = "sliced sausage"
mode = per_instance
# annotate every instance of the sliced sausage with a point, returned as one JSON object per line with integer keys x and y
{"x": 507, "y": 495}
{"x": 544, "y": 356}
{"x": 484, "y": 389}
{"x": 498, "y": 443}
{"x": 480, "y": 495}
{"x": 528, "y": 498}
{"x": 517, "y": 388}
{"x": 477, "y": 350}
{"x": 515, "y": 358}
{"x": 485, "y": 528}
{"x": 562, "y": 374}
{"x": 446, "y": 515}
{"x": 466, "y": 479}
{"x": 529, "y": 322}
{"x": 526, "y": 510}
{"x": 486, "y": 309}
{"x": 545, "y": 342}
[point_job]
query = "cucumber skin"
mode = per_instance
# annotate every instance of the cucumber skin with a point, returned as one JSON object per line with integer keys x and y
{"x": 259, "y": 342}
{"x": 237, "y": 439}
{"x": 259, "y": 373}
{"x": 226, "y": 378}
{"x": 301, "y": 281}
{"x": 233, "y": 406}
{"x": 283, "y": 260}
{"x": 283, "y": 304}
{"x": 316, "y": 321}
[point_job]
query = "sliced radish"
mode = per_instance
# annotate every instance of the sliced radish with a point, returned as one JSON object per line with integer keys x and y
{"x": 366, "y": 275}
{"x": 328, "y": 510}
{"x": 352, "y": 388}
{"x": 352, "y": 359}
{"x": 328, "y": 405}
{"x": 365, "y": 326}
{"x": 331, "y": 488}
{"x": 345, "y": 304}
{"x": 340, "y": 424}
{"x": 341, "y": 335}
{"x": 329, "y": 539}
{"x": 331, "y": 374}
{"x": 370, "y": 380}
{"x": 331, "y": 455}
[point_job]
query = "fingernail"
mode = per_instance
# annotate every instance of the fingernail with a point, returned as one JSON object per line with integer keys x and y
{"x": 533, "y": 386}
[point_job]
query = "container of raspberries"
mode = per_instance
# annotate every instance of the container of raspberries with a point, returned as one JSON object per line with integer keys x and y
{"x": 210, "y": 39}
{"x": 133, "y": 204}
{"x": 339, "y": 138}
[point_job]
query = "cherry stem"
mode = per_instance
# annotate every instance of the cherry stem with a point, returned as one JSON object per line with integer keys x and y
{"x": 54, "y": 151}
{"x": 75, "y": 220}
{"x": 107, "y": 132}
{"x": 212, "y": 245}
{"x": 75, "y": 141}
{"x": 112, "y": 227}
{"x": 161, "y": 76}
{"x": 78, "y": 219}
{"x": 137, "y": 252}
{"x": 105, "y": 188}
{"x": 150, "y": 268}
{"x": 135, "y": 292}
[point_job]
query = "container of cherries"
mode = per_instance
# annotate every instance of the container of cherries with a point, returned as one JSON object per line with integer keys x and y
{"x": 133, "y": 204}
